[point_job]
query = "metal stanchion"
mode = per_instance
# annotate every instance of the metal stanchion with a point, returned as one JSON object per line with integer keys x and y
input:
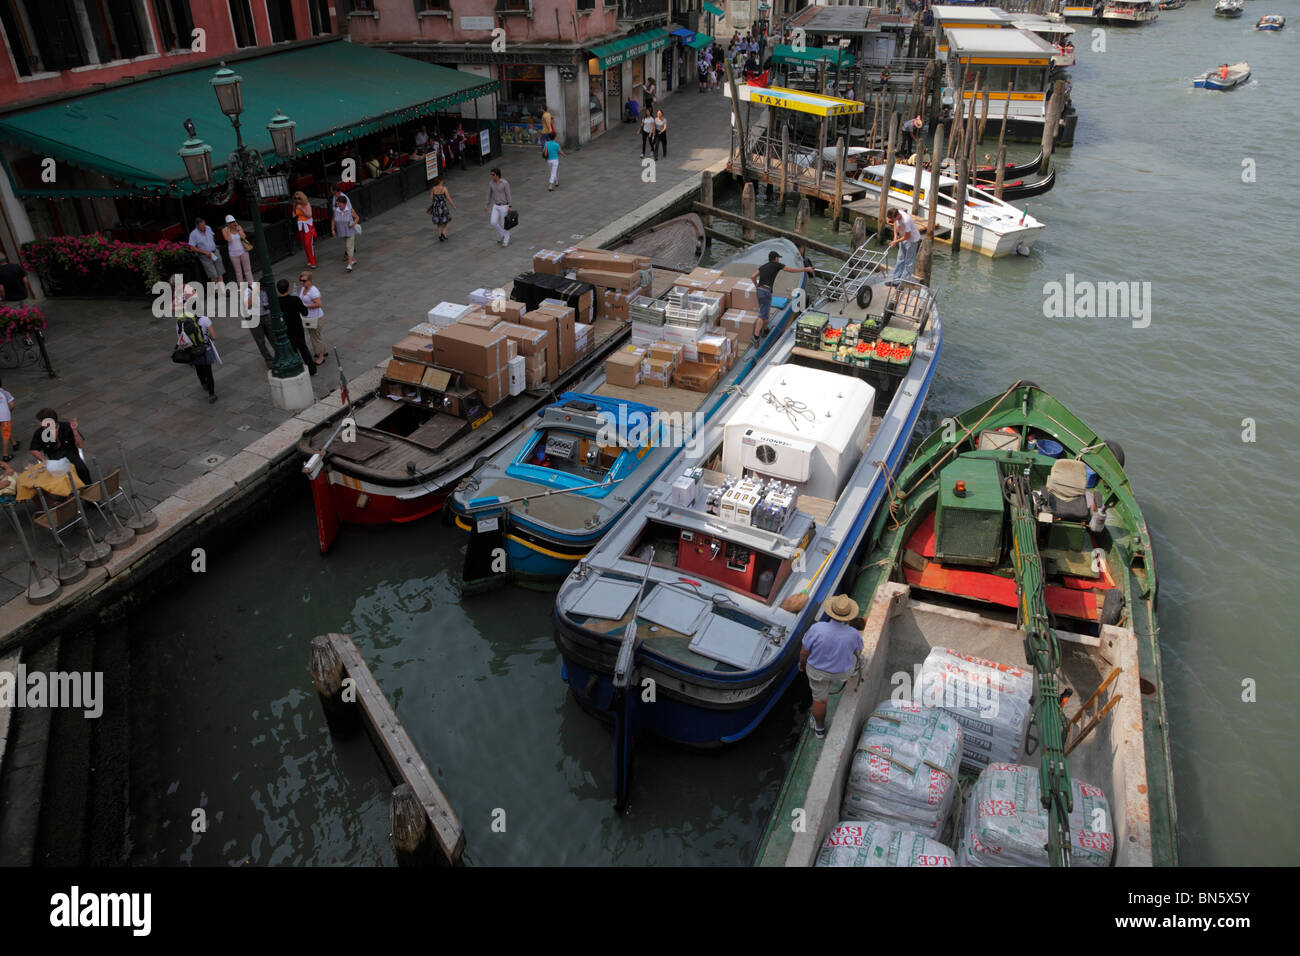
{"x": 118, "y": 535}
{"x": 140, "y": 522}
{"x": 42, "y": 587}
{"x": 95, "y": 552}
{"x": 71, "y": 569}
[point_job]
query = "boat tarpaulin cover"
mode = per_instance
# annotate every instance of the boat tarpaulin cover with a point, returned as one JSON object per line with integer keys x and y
{"x": 334, "y": 92}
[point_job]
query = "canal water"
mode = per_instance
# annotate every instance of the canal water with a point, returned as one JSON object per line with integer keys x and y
{"x": 1152, "y": 192}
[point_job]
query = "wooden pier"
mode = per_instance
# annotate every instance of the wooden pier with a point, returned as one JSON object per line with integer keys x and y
{"x": 421, "y": 817}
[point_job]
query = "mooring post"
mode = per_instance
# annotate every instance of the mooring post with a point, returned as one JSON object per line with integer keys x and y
{"x": 747, "y": 210}
{"x": 959, "y": 202}
{"x": 802, "y": 215}
{"x": 1055, "y": 106}
{"x": 859, "y": 231}
{"x": 836, "y": 206}
{"x": 706, "y": 195}
{"x": 924, "y": 260}
{"x": 919, "y": 144}
{"x": 887, "y": 184}
{"x": 408, "y": 825}
{"x": 984, "y": 115}
{"x": 785, "y": 160}
{"x": 327, "y": 676}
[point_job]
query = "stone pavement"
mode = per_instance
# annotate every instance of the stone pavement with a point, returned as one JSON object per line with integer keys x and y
{"x": 113, "y": 357}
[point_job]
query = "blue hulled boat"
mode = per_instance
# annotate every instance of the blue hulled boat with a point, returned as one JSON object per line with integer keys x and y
{"x": 1227, "y": 77}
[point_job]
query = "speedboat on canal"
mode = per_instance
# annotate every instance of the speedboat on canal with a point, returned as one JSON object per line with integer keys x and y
{"x": 550, "y": 495}
{"x": 1171, "y": 4}
{"x": 991, "y": 226}
{"x": 1229, "y": 8}
{"x": 1226, "y": 77}
{"x": 1271, "y": 22}
{"x": 1010, "y": 580}
{"x": 685, "y": 621}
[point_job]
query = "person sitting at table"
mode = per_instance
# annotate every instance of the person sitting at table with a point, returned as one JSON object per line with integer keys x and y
{"x": 421, "y": 141}
{"x": 57, "y": 444}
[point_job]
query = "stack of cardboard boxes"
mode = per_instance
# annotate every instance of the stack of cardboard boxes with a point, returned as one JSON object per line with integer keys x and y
{"x": 616, "y": 278}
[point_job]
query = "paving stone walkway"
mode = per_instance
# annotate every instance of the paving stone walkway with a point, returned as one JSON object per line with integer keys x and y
{"x": 113, "y": 356}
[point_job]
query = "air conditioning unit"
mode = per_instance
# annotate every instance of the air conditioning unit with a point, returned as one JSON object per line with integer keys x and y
{"x": 777, "y": 457}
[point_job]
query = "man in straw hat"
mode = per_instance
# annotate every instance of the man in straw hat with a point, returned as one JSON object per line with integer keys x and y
{"x": 830, "y": 653}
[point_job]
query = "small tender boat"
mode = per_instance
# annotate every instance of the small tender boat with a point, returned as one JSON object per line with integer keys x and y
{"x": 1229, "y": 8}
{"x": 1226, "y": 77}
{"x": 677, "y": 244}
{"x": 1271, "y": 22}
{"x": 1124, "y": 13}
{"x": 1172, "y": 4}
{"x": 704, "y": 589}
{"x": 1019, "y": 189}
{"x": 991, "y": 226}
{"x": 550, "y": 495}
{"x": 1013, "y": 531}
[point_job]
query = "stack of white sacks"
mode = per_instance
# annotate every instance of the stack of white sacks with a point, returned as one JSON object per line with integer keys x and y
{"x": 904, "y": 770}
{"x": 873, "y": 843}
{"x": 1004, "y": 822}
{"x": 991, "y": 701}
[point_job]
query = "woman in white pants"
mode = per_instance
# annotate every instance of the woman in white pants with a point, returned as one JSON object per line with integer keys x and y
{"x": 551, "y": 150}
{"x": 499, "y": 199}
{"x": 237, "y": 247}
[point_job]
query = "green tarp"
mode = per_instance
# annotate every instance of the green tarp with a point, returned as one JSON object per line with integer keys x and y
{"x": 629, "y": 47}
{"x": 700, "y": 41}
{"x": 335, "y": 92}
{"x": 813, "y": 55}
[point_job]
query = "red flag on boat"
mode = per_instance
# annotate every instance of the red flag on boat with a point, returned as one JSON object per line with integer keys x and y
{"x": 760, "y": 79}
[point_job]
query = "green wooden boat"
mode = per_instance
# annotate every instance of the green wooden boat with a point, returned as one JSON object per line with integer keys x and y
{"x": 940, "y": 570}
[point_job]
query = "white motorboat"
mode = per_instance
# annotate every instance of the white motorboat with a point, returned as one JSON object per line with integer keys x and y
{"x": 1229, "y": 8}
{"x": 991, "y": 226}
{"x": 1127, "y": 13}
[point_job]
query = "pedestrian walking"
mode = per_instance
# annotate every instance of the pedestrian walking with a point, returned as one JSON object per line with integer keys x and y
{"x": 204, "y": 241}
{"x": 192, "y": 331}
{"x": 7, "y": 424}
{"x": 498, "y": 199}
{"x": 552, "y": 152}
{"x": 647, "y": 96}
{"x": 906, "y": 236}
{"x": 57, "y": 444}
{"x": 303, "y": 218}
{"x": 661, "y": 134}
{"x": 647, "y": 132}
{"x": 830, "y": 653}
{"x": 440, "y": 207}
{"x": 704, "y": 74}
{"x": 293, "y": 312}
{"x": 548, "y": 123}
{"x": 237, "y": 249}
{"x": 314, "y": 320}
{"x": 345, "y": 223}
{"x": 259, "y": 326}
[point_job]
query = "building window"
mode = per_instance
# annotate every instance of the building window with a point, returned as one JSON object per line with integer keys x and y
{"x": 241, "y": 17}
{"x": 44, "y": 35}
{"x": 280, "y": 14}
{"x": 514, "y": 6}
{"x": 586, "y": 4}
{"x": 175, "y": 23}
{"x": 118, "y": 29}
{"x": 320, "y": 17}
{"x": 425, "y": 6}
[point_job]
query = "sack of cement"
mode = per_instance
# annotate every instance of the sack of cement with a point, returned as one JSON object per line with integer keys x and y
{"x": 1004, "y": 822}
{"x": 991, "y": 701}
{"x": 874, "y": 843}
{"x": 904, "y": 769}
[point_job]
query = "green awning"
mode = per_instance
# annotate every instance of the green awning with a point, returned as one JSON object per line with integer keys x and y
{"x": 700, "y": 41}
{"x": 629, "y": 47}
{"x": 716, "y": 11}
{"x": 813, "y": 55}
{"x": 335, "y": 92}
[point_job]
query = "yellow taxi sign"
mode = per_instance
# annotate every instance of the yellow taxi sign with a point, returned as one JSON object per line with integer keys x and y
{"x": 798, "y": 100}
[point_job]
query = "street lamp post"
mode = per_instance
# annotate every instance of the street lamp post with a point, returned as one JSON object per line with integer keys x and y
{"x": 290, "y": 382}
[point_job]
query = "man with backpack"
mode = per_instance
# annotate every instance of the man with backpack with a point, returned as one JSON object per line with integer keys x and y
{"x": 192, "y": 332}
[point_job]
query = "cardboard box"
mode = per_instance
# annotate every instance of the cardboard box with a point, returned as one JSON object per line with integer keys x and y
{"x": 582, "y": 339}
{"x": 414, "y": 348}
{"x": 667, "y": 350}
{"x": 691, "y": 284}
{"x": 624, "y": 367}
{"x": 743, "y": 322}
{"x": 493, "y": 388}
{"x": 507, "y": 310}
{"x": 604, "y": 260}
{"x": 516, "y": 375}
{"x": 744, "y": 295}
{"x": 470, "y": 350}
{"x": 736, "y": 348}
{"x": 722, "y": 287}
{"x": 612, "y": 280}
{"x": 408, "y": 373}
{"x": 535, "y": 369}
{"x": 446, "y": 313}
{"x": 707, "y": 276}
{"x": 561, "y": 332}
{"x": 714, "y": 350}
{"x": 565, "y": 322}
{"x": 658, "y": 371}
{"x": 480, "y": 320}
{"x": 617, "y": 304}
{"x": 549, "y": 262}
{"x": 697, "y": 376}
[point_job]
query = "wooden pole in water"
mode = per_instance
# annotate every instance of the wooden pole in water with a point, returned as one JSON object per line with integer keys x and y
{"x": 959, "y": 203}
{"x": 984, "y": 114}
{"x": 1054, "y": 107}
{"x": 1001, "y": 171}
{"x": 838, "y": 202}
{"x": 958, "y": 117}
{"x": 735, "y": 118}
{"x": 916, "y": 177}
{"x": 859, "y": 231}
{"x": 785, "y": 162}
{"x": 706, "y": 194}
{"x": 821, "y": 145}
{"x": 923, "y": 261}
{"x": 409, "y": 827}
{"x": 327, "y": 675}
{"x": 801, "y": 217}
{"x": 747, "y": 210}
{"x": 886, "y": 185}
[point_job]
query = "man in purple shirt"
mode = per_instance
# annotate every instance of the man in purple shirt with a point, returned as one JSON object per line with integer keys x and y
{"x": 830, "y": 653}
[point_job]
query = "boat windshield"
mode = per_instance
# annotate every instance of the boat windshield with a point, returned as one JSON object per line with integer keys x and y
{"x": 712, "y": 557}
{"x": 573, "y": 453}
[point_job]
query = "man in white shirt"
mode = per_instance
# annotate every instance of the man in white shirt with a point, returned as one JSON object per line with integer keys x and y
{"x": 906, "y": 236}
{"x": 203, "y": 240}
